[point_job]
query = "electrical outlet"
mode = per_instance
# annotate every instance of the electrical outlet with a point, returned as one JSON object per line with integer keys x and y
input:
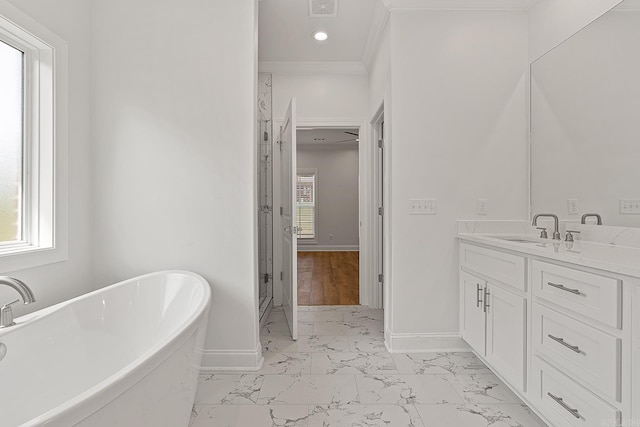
{"x": 330, "y": 236}
{"x": 630, "y": 206}
{"x": 422, "y": 207}
{"x": 483, "y": 206}
{"x": 572, "y": 206}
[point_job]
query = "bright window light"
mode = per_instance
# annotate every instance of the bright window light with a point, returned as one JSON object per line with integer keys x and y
{"x": 11, "y": 143}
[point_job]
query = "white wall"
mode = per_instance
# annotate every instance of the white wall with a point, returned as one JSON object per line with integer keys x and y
{"x": 553, "y": 21}
{"x": 174, "y": 94}
{"x": 321, "y": 96}
{"x": 380, "y": 74}
{"x": 53, "y": 283}
{"x": 380, "y": 103}
{"x": 337, "y": 194}
{"x": 458, "y": 133}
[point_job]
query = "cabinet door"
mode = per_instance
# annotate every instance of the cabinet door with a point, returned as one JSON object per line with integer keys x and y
{"x": 506, "y": 334}
{"x": 473, "y": 318}
{"x": 635, "y": 354}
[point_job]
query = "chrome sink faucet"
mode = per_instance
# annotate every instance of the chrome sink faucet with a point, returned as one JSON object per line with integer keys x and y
{"x": 595, "y": 215}
{"x": 6, "y": 315}
{"x": 556, "y": 231}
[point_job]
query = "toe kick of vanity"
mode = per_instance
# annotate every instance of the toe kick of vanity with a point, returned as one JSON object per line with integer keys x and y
{"x": 563, "y": 335}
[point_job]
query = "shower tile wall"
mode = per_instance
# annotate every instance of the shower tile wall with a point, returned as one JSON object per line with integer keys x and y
{"x": 265, "y": 183}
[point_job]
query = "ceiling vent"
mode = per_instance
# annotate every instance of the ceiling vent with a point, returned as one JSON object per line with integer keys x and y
{"x": 323, "y": 8}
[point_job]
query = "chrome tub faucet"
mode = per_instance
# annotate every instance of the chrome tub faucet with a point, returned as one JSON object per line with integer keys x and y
{"x": 6, "y": 314}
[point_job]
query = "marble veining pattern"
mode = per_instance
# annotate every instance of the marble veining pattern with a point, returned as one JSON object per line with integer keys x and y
{"x": 610, "y": 257}
{"x": 615, "y": 236}
{"x": 439, "y": 363}
{"x": 616, "y": 249}
{"x": 339, "y": 373}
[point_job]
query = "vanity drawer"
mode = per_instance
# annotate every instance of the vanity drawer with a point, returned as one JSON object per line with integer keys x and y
{"x": 592, "y": 295}
{"x": 565, "y": 402}
{"x": 590, "y": 356}
{"x": 505, "y": 268}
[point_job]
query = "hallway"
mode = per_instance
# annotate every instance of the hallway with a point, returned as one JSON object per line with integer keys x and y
{"x": 328, "y": 278}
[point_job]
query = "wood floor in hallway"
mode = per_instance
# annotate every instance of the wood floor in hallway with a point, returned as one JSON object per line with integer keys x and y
{"x": 328, "y": 278}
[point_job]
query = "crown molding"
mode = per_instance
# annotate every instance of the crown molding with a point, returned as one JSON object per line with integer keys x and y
{"x": 460, "y": 4}
{"x": 378, "y": 26}
{"x": 312, "y": 67}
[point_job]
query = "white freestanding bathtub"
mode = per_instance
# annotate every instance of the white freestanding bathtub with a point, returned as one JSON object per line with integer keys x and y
{"x": 126, "y": 355}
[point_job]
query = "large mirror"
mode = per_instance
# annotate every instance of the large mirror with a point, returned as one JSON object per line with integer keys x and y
{"x": 585, "y": 122}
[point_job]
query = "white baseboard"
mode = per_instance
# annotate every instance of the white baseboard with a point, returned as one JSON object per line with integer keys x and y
{"x": 425, "y": 343}
{"x": 231, "y": 360}
{"x": 327, "y": 248}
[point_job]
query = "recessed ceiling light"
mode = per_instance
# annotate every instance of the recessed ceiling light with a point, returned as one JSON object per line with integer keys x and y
{"x": 320, "y": 36}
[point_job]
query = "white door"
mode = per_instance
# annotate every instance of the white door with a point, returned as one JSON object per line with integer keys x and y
{"x": 288, "y": 218}
{"x": 473, "y": 311}
{"x": 506, "y": 334}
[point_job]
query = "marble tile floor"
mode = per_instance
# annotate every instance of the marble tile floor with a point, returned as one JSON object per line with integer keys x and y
{"x": 338, "y": 373}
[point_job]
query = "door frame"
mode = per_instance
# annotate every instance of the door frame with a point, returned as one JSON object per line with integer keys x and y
{"x": 366, "y": 196}
{"x": 378, "y": 237}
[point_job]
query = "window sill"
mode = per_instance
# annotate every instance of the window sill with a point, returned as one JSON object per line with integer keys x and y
{"x": 30, "y": 256}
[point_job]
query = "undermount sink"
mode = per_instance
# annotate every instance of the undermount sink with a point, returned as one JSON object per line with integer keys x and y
{"x": 518, "y": 239}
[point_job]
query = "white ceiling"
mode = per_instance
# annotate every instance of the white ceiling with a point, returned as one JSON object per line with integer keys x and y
{"x": 326, "y": 137}
{"x": 285, "y": 29}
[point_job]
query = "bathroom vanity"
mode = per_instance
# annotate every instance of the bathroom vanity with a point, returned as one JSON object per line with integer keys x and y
{"x": 558, "y": 321}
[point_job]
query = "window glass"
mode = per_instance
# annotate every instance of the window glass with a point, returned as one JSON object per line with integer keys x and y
{"x": 11, "y": 146}
{"x": 306, "y": 205}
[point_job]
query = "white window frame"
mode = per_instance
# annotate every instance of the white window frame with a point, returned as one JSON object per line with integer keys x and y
{"x": 45, "y": 176}
{"x": 314, "y": 240}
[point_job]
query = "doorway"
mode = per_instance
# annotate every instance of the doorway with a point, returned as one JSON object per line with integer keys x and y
{"x": 327, "y": 196}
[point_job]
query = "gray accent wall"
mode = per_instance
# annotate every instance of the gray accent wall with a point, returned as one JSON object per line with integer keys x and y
{"x": 337, "y": 195}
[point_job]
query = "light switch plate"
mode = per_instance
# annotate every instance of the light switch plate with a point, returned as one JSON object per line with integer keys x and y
{"x": 422, "y": 207}
{"x": 572, "y": 206}
{"x": 630, "y": 206}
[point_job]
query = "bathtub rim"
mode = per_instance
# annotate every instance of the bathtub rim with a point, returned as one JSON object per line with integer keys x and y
{"x": 93, "y": 399}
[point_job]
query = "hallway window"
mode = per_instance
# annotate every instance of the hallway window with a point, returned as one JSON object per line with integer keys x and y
{"x": 306, "y": 206}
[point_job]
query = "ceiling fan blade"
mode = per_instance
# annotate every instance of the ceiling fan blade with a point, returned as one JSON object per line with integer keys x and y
{"x": 348, "y": 140}
{"x": 351, "y": 133}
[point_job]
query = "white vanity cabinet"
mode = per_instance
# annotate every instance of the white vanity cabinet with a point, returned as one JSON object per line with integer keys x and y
{"x": 577, "y": 345}
{"x": 493, "y": 312}
{"x": 635, "y": 353}
{"x": 563, "y": 335}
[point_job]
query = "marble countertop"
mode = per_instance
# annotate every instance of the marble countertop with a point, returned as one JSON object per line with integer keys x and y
{"x": 612, "y": 258}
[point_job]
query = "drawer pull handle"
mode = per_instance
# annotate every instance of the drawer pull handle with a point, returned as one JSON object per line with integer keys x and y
{"x": 478, "y": 297}
{"x": 562, "y": 341}
{"x": 564, "y": 288}
{"x": 560, "y": 402}
{"x": 486, "y": 298}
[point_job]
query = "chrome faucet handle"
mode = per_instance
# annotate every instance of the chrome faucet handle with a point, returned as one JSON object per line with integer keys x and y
{"x": 543, "y": 233}
{"x": 6, "y": 315}
{"x": 569, "y": 236}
